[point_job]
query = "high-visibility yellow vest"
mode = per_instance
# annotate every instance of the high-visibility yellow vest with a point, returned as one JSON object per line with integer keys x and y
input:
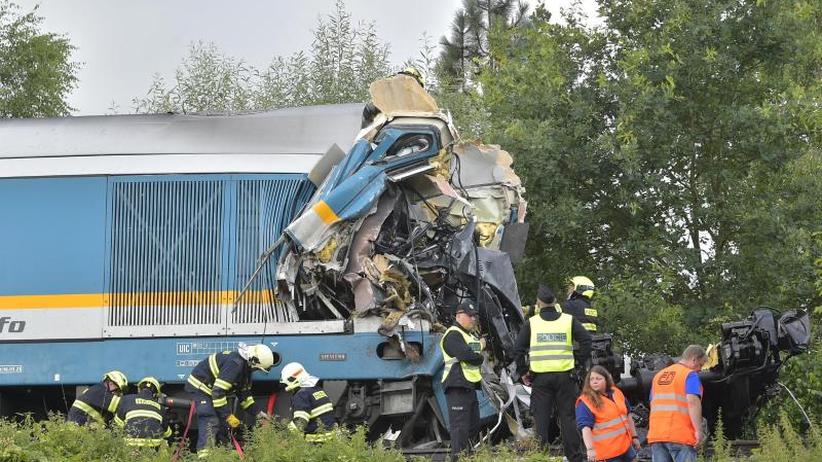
{"x": 470, "y": 372}
{"x": 551, "y": 348}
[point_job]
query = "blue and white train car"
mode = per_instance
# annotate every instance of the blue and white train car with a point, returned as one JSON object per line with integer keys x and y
{"x": 124, "y": 241}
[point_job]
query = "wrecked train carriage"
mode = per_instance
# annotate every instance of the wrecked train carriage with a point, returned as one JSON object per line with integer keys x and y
{"x": 129, "y": 238}
{"x": 409, "y": 223}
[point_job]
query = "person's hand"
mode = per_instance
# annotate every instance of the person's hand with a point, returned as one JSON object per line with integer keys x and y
{"x": 527, "y": 379}
{"x": 698, "y": 436}
{"x": 232, "y": 421}
{"x": 592, "y": 455}
{"x": 482, "y": 343}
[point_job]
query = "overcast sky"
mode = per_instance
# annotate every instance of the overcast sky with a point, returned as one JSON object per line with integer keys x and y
{"x": 121, "y": 44}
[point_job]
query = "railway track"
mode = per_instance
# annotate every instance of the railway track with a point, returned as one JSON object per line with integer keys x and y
{"x": 738, "y": 448}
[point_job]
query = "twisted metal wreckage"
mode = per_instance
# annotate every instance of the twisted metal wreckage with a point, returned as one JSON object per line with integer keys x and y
{"x": 412, "y": 220}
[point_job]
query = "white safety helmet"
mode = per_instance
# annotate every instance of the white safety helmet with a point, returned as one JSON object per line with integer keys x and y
{"x": 261, "y": 357}
{"x": 292, "y": 375}
{"x": 117, "y": 378}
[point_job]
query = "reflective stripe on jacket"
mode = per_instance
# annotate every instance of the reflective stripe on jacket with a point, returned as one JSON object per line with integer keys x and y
{"x": 470, "y": 372}
{"x": 220, "y": 375}
{"x": 551, "y": 347}
{"x": 670, "y": 421}
{"x": 611, "y": 434}
{"x": 313, "y": 406}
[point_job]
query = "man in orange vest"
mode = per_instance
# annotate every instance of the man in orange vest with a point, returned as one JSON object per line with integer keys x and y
{"x": 675, "y": 427}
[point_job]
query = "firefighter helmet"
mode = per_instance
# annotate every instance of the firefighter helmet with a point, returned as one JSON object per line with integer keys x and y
{"x": 149, "y": 381}
{"x": 412, "y": 71}
{"x": 261, "y": 357}
{"x": 292, "y": 375}
{"x": 117, "y": 378}
{"x": 583, "y": 286}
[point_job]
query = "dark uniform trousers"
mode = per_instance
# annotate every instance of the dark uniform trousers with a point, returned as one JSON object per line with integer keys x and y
{"x": 558, "y": 389}
{"x": 463, "y": 417}
{"x": 209, "y": 426}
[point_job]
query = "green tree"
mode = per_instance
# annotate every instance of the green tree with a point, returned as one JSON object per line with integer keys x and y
{"x": 677, "y": 144}
{"x": 343, "y": 60}
{"x": 36, "y": 71}
{"x": 467, "y": 47}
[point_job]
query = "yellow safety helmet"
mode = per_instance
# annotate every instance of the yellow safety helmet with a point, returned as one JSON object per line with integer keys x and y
{"x": 583, "y": 286}
{"x": 117, "y": 378}
{"x": 291, "y": 375}
{"x": 412, "y": 71}
{"x": 146, "y": 381}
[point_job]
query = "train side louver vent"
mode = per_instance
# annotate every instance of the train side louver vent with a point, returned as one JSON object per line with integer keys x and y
{"x": 166, "y": 252}
{"x": 264, "y": 209}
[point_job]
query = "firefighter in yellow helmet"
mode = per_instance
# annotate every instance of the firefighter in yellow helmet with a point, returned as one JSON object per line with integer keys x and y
{"x": 580, "y": 292}
{"x": 312, "y": 410}
{"x": 100, "y": 401}
{"x": 142, "y": 417}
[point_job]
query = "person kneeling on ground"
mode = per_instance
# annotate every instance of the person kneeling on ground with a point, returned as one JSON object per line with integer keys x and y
{"x": 312, "y": 410}
{"x": 141, "y": 416}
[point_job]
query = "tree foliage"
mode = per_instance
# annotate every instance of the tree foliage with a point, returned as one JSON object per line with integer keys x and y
{"x": 344, "y": 58}
{"x": 676, "y": 147}
{"x": 36, "y": 71}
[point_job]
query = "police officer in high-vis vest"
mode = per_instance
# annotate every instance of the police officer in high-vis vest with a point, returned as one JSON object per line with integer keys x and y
{"x": 100, "y": 401}
{"x": 580, "y": 292}
{"x": 675, "y": 425}
{"x": 547, "y": 340}
{"x": 461, "y": 377}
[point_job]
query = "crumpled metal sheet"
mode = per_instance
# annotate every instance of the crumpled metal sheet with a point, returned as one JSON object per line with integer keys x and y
{"x": 402, "y": 224}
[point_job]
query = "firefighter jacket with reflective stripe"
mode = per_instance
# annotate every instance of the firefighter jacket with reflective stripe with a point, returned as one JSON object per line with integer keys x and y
{"x": 142, "y": 419}
{"x": 580, "y": 308}
{"x": 551, "y": 347}
{"x": 96, "y": 404}
{"x": 670, "y": 421}
{"x": 460, "y": 373}
{"x": 311, "y": 407}
{"x": 221, "y": 375}
{"x": 611, "y": 433}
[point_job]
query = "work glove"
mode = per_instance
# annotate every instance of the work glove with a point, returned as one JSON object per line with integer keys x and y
{"x": 483, "y": 343}
{"x": 232, "y": 421}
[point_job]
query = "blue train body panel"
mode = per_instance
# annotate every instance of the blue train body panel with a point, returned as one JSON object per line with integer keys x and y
{"x": 53, "y": 236}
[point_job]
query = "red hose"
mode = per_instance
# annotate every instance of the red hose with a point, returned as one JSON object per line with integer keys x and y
{"x": 237, "y": 445}
{"x": 182, "y": 443}
{"x": 271, "y": 401}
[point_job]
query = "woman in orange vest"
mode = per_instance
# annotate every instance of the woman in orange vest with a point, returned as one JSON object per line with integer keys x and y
{"x": 602, "y": 416}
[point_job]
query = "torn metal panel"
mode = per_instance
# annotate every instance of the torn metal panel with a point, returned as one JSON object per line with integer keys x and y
{"x": 409, "y": 221}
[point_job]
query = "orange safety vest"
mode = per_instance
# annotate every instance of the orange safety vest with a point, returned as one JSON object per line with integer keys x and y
{"x": 611, "y": 435}
{"x": 670, "y": 421}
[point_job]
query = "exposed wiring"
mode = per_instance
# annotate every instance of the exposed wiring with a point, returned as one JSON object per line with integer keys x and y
{"x": 807, "y": 419}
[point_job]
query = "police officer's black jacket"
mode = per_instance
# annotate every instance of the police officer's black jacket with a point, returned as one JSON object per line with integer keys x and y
{"x": 97, "y": 403}
{"x": 454, "y": 344}
{"x": 311, "y": 406}
{"x": 578, "y": 334}
{"x": 575, "y": 306}
{"x": 233, "y": 376}
{"x": 141, "y": 416}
